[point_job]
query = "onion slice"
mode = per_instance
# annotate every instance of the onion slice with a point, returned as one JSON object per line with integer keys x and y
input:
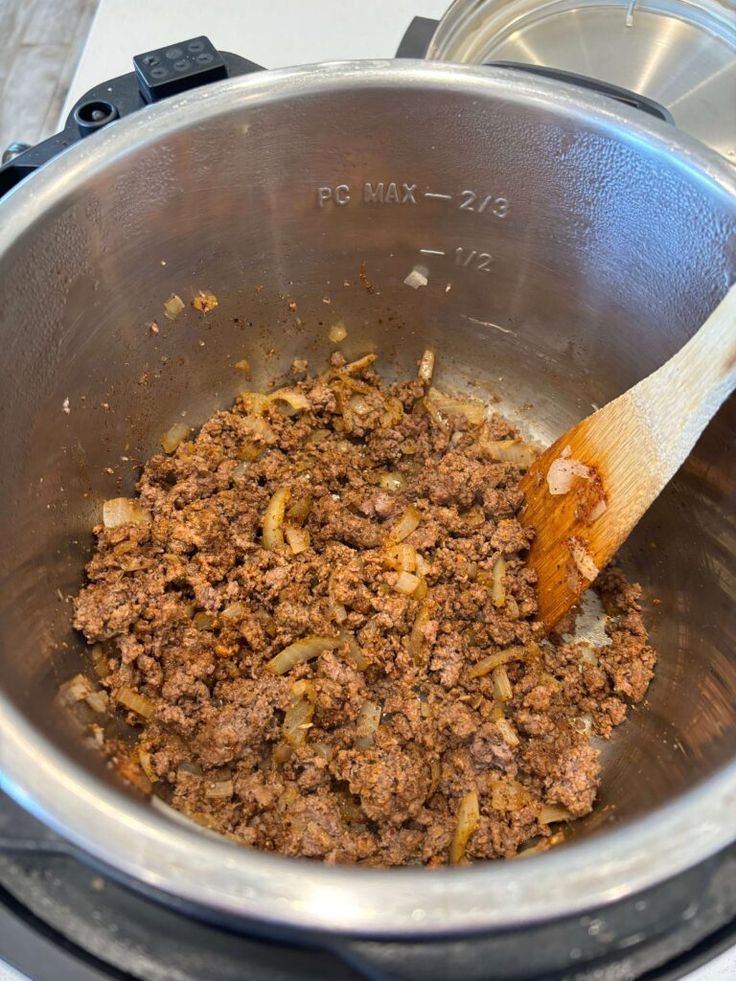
{"x": 468, "y": 819}
{"x": 426, "y": 367}
{"x": 299, "y": 713}
{"x": 562, "y": 473}
{"x": 583, "y": 559}
{"x": 300, "y": 651}
{"x": 173, "y": 307}
{"x": 498, "y": 590}
{"x": 490, "y": 663}
{"x": 440, "y": 405}
{"x": 136, "y": 702}
{"x": 273, "y": 520}
{"x": 513, "y": 451}
{"x": 293, "y": 400}
{"x": 501, "y": 685}
{"x": 407, "y": 583}
{"x": 407, "y": 523}
{"x": 124, "y": 511}
{"x": 298, "y": 539}
{"x": 366, "y": 724}
{"x": 172, "y": 437}
{"x": 550, "y": 813}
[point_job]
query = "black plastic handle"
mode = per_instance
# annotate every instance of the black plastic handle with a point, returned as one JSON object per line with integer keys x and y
{"x": 158, "y": 74}
{"x": 626, "y": 96}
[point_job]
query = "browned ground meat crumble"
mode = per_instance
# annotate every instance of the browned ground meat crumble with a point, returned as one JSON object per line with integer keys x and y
{"x": 187, "y": 609}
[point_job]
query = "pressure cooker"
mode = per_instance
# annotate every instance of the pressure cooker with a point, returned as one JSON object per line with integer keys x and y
{"x": 566, "y": 244}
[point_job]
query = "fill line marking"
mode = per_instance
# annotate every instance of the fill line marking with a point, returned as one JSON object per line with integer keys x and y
{"x": 432, "y": 252}
{"x": 435, "y": 194}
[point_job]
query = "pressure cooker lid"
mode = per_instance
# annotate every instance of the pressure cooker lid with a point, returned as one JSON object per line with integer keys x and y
{"x": 680, "y": 53}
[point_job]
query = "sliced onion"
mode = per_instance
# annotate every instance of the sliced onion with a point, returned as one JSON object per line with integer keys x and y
{"x": 507, "y": 732}
{"x": 401, "y": 557}
{"x": 340, "y": 612}
{"x": 298, "y": 511}
{"x": 407, "y": 523}
{"x": 134, "y": 701}
{"x": 298, "y": 539}
{"x": 98, "y": 701}
{"x": 508, "y": 451}
{"x": 240, "y": 471}
{"x": 323, "y": 749}
{"x": 583, "y": 559}
{"x": 417, "y": 639}
{"x": 146, "y": 762}
{"x": 416, "y": 278}
{"x": 468, "y": 819}
{"x": 235, "y": 611}
{"x": 421, "y": 591}
{"x": 501, "y": 685}
{"x": 392, "y": 414}
{"x": 173, "y": 307}
{"x": 300, "y": 651}
{"x": 392, "y": 480}
{"x": 203, "y": 621}
{"x": 357, "y": 658}
{"x": 253, "y": 402}
{"x": 562, "y": 473}
{"x": 219, "y": 790}
{"x": 100, "y": 661}
{"x": 273, "y": 520}
{"x": 282, "y": 753}
{"x": 359, "y": 405}
{"x": 423, "y": 566}
{"x": 406, "y": 583}
{"x": 292, "y": 400}
{"x": 76, "y": 690}
{"x": 172, "y": 437}
{"x": 258, "y": 429}
{"x": 355, "y": 367}
{"x": 599, "y": 509}
{"x": 205, "y": 301}
{"x": 124, "y": 511}
{"x": 426, "y": 367}
{"x": 366, "y": 724}
{"x": 498, "y": 590}
{"x": 490, "y": 663}
{"x": 550, "y": 813}
{"x": 438, "y": 403}
{"x": 299, "y": 713}
{"x": 337, "y": 332}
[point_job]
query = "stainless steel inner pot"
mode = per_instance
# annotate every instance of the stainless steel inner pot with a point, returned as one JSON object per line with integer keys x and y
{"x": 569, "y": 245}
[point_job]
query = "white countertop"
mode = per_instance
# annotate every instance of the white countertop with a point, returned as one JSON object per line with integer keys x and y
{"x": 275, "y": 34}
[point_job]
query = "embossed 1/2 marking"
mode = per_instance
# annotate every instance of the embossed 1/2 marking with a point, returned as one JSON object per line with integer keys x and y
{"x": 472, "y": 201}
{"x": 438, "y": 196}
{"x": 472, "y": 259}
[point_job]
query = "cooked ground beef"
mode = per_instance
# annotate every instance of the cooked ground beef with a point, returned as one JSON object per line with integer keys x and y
{"x": 398, "y": 549}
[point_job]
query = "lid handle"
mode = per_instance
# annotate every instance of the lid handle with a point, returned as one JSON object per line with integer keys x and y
{"x": 626, "y": 96}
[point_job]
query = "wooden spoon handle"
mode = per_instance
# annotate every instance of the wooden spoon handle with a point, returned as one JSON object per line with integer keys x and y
{"x": 679, "y": 400}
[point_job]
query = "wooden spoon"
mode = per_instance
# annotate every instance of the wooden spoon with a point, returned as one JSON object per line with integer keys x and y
{"x": 588, "y": 490}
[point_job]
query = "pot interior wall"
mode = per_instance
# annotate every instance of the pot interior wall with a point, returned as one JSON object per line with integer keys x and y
{"x": 592, "y": 259}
